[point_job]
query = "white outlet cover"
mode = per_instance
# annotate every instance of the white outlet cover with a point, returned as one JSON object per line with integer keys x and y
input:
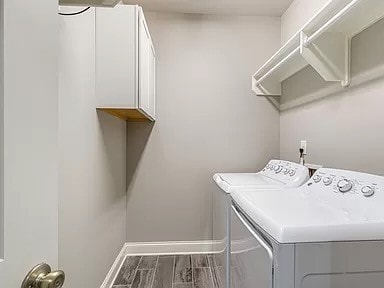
{"x": 303, "y": 145}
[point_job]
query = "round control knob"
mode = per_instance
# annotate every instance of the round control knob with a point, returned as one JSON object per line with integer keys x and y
{"x": 278, "y": 168}
{"x": 285, "y": 171}
{"x": 327, "y": 181}
{"x": 367, "y": 191}
{"x": 316, "y": 178}
{"x": 292, "y": 172}
{"x": 271, "y": 167}
{"x": 344, "y": 185}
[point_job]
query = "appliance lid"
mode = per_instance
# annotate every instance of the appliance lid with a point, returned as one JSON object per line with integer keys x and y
{"x": 290, "y": 216}
{"x": 334, "y": 205}
{"x": 230, "y": 181}
{"x": 276, "y": 174}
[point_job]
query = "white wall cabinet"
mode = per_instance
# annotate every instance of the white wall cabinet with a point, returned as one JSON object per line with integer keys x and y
{"x": 125, "y": 64}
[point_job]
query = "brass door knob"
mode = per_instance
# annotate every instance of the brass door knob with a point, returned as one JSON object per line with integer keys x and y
{"x": 41, "y": 277}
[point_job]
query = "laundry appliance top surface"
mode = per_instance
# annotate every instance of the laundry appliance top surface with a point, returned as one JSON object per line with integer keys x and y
{"x": 334, "y": 205}
{"x": 276, "y": 174}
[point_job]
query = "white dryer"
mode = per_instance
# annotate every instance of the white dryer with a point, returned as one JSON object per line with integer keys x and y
{"x": 275, "y": 175}
{"x": 328, "y": 233}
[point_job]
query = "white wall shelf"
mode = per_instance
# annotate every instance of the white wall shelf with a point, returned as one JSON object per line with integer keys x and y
{"x": 324, "y": 43}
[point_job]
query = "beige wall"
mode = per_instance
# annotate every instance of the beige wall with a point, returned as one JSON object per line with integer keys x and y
{"x": 208, "y": 120}
{"x": 92, "y": 195}
{"x": 298, "y": 14}
{"x": 344, "y": 127}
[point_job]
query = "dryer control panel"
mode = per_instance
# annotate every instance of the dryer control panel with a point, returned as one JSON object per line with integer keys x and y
{"x": 347, "y": 182}
{"x": 289, "y": 173}
{"x": 357, "y": 194}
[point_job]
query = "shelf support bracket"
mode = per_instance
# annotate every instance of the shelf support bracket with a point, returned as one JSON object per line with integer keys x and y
{"x": 272, "y": 95}
{"x": 329, "y": 55}
{"x": 270, "y": 87}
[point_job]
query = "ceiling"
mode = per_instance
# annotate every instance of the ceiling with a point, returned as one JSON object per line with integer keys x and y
{"x": 228, "y": 7}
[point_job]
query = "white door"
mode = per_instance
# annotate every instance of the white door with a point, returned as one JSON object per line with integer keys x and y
{"x": 147, "y": 69}
{"x": 28, "y": 147}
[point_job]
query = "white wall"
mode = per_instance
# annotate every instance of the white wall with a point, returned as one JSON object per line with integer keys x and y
{"x": 344, "y": 128}
{"x": 297, "y": 15}
{"x": 208, "y": 120}
{"x": 92, "y": 198}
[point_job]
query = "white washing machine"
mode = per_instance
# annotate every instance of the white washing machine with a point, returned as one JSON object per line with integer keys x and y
{"x": 275, "y": 175}
{"x": 328, "y": 233}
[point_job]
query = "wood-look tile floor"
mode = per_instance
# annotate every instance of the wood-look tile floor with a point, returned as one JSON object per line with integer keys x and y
{"x": 171, "y": 271}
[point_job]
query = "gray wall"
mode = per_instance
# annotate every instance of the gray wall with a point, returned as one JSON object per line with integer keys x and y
{"x": 92, "y": 195}
{"x": 208, "y": 120}
{"x": 344, "y": 127}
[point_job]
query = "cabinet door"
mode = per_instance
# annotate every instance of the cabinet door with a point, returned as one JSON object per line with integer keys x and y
{"x": 116, "y": 70}
{"x": 147, "y": 69}
{"x": 152, "y": 80}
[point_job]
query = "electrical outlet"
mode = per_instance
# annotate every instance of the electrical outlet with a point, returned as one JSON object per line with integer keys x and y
{"x": 303, "y": 145}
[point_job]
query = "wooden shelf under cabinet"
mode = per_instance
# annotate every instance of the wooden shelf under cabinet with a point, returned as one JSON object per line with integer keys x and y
{"x": 129, "y": 114}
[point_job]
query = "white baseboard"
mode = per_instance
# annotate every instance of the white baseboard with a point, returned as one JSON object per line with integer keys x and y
{"x": 169, "y": 247}
{"x": 108, "y": 281}
{"x": 158, "y": 248}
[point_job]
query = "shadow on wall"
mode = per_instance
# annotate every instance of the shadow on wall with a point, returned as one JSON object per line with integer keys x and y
{"x": 367, "y": 65}
{"x": 112, "y": 151}
{"x": 138, "y": 133}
